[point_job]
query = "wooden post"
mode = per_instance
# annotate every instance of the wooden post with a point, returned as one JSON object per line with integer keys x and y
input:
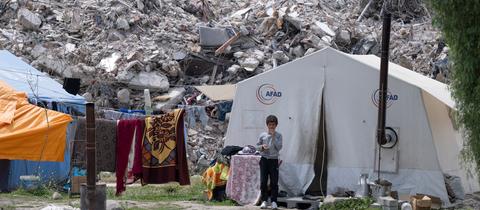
{"x": 90, "y": 150}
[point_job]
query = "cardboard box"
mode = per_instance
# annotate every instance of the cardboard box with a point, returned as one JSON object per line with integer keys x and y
{"x": 421, "y": 202}
{"x": 77, "y": 181}
{"x": 436, "y": 201}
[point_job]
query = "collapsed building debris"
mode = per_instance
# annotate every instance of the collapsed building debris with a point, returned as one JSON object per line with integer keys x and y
{"x": 120, "y": 47}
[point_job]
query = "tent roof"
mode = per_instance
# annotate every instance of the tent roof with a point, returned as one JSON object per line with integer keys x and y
{"x": 433, "y": 87}
{"x": 28, "y": 132}
{"x": 24, "y": 78}
{"x": 218, "y": 92}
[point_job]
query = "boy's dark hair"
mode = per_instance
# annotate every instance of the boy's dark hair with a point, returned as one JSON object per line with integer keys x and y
{"x": 271, "y": 118}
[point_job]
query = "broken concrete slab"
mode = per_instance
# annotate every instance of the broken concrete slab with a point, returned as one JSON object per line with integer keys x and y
{"x": 249, "y": 64}
{"x": 343, "y": 37}
{"x": 115, "y": 36}
{"x": 325, "y": 28}
{"x": 140, "y": 5}
{"x": 110, "y": 64}
{"x": 180, "y": 55}
{"x": 122, "y": 24}
{"x": 233, "y": 69}
{"x": 28, "y": 20}
{"x": 280, "y": 56}
{"x": 123, "y": 96}
{"x": 69, "y": 47}
{"x": 238, "y": 54}
{"x": 38, "y": 51}
{"x": 327, "y": 40}
{"x": 151, "y": 80}
{"x": 48, "y": 63}
{"x": 259, "y": 55}
{"x": 134, "y": 55}
{"x": 295, "y": 21}
{"x": 298, "y": 51}
{"x": 134, "y": 66}
{"x": 56, "y": 196}
{"x": 312, "y": 39}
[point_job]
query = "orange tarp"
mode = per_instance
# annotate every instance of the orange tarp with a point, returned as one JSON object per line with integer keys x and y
{"x": 24, "y": 131}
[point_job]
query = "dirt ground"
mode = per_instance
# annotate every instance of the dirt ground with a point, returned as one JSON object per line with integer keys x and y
{"x": 74, "y": 204}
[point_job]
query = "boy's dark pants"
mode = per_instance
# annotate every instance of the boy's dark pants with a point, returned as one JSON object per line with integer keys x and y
{"x": 269, "y": 168}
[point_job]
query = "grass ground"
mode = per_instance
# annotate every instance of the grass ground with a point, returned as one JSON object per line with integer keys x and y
{"x": 166, "y": 193}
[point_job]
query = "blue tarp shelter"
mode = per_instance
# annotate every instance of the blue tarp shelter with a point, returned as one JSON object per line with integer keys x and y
{"x": 39, "y": 88}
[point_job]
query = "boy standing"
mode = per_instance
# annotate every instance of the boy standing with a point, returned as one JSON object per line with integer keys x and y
{"x": 269, "y": 144}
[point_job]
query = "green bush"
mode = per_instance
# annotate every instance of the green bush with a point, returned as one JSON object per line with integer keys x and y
{"x": 350, "y": 204}
{"x": 459, "y": 21}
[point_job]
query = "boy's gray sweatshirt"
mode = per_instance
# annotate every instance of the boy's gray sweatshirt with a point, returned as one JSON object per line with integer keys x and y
{"x": 274, "y": 146}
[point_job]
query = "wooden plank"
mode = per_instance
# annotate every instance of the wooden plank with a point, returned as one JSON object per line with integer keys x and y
{"x": 222, "y": 48}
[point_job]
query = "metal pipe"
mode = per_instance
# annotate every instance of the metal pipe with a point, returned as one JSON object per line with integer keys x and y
{"x": 383, "y": 87}
{"x": 90, "y": 150}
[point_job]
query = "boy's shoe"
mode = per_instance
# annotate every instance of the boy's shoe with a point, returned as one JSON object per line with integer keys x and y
{"x": 274, "y": 206}
{"x": 264, "y": 205}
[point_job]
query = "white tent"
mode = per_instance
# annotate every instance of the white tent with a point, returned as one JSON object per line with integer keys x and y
{"x": 418, "y": 109}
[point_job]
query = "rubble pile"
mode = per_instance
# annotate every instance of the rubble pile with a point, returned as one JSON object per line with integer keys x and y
{"x": 205, "y": 132}
{"x": 287, "y": 30}
{"x": 203, "y": 144}
{"x": 120, "y": 47}
{"x": 139, "y": 44}
{"x": 114, "y": 41}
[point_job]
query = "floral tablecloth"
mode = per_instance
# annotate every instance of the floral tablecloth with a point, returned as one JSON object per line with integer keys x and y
{"x": 243, "y": 185}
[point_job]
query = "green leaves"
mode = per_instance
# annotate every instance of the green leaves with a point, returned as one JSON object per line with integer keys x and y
{"x": 353, "y": 203}
{"x": 459, "y": 21}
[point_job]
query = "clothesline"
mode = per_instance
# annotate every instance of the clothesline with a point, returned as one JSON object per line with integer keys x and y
{"x": 123, "y": 143}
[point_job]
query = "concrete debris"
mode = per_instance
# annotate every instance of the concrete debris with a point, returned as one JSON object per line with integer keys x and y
{"x": 123, "y": 96}
{"x": 249, "y": 64}
{"x": 122, "y": 24}
{"x": 88, "y": 97}
{"x": 134, "y": 55}
{"x": 280, "y": 56}
{"x": 238, "y": 54}
{"x": 28, "y": 20}
{"x": 310, "y": 51}
{"x": 114, "y": 205}
{"x": 56, "y": 196}
{"x": 59, "y": 207}
{"x": 110, "y": 64}
{"x": 313, "y": 40}
{"x": 120, "y": 42}
{"x": 38, "y": 51}
{"x": 135, "y": 44}
{"x": 233, "y": 69}
{"x": 325, "y": 28}
{"x": 174, "y": 95}
{"x": 180, "y": 55}
{"x": 140, "y": 5}
{"x": 343, "y": 37}
{"x": 69, "y": 47}
{"x": 298, "y": 51}
{"x": 151, "y": 80}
